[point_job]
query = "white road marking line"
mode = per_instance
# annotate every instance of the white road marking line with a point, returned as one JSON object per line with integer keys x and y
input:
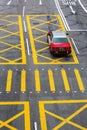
{"x": 78, "y": 30}
{"x": 62, "y": 15}
{"x": 35, "y": 125}
{"x": 72, "y": 10}
{"x": 15, "y": 92}
{"x": 8, "y": 92}
{"x": 82, "y": 6}
{"x": 67, "y": 91}
{"x": 82, "y": 68}
{"x": 9, "y": 2}
{"x": 40, "y": 2}
{"x": 25, "y": 1}
{"x": 75, "y": 91}
{"x": 53, "y": 91}
{"x": 23, "y": 11}
{"x": 25, "y": 28}
{"x": 27, "y": 46}
{"x": 75, "y": 46}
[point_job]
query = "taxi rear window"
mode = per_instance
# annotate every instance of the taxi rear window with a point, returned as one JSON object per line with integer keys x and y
{"x": 58, "y": 40}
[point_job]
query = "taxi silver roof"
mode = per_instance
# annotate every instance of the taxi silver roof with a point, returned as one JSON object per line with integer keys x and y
{"x": 59, "y": 34}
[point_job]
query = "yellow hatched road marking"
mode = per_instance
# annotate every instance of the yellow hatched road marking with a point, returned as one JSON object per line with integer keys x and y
{"x": 79, "y": 80}
{"x": 20, "y": 45}
{"x": 65, "y": 80}
{"x": 64, "y": 120}
{"x": 67, "y": 120}
{"x": 44, "y": 22}
{"x": 25, "y": 112}
{"x": 30, "y": 18}
{"x": 51, "y": 80}
{"x": 37, "y": 80}
{"x": 9, "y": 81}
{"x": 23, "y": 81}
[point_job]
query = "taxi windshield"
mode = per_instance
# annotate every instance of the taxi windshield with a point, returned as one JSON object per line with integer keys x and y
{"x": 59, "y": 40}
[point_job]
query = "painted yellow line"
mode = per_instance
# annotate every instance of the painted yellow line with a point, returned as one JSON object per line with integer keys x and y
{"x": 73, "y": 52}
{"x": 71, "y": 117}
{"x": 8, "y": 35}
{"x": 9, "y": 81}
{"x": 25, "y": 113}
{"x": 42, "y": 23}
{"x": 79, "y": 80}
{"x": 65, "y": 80}
{"x": 63, "y": 101}
{"x": 13, "y": 118}
{"x": 3, "y": 124}
{"x": 41, "y": 42}
{"x": 37, "y": 80}
{"x": 40, "y": 30}
{"x": 61, "y": 23}
{"x": 51, "y": 80}
{"x": 22, "y": 40}
{"x": 10, "y": 24}
{"x": 23, "y": 81}
{"x": 42, "y": 116}
{"x": 45, "y": 48}
{"x": 41, "y": 36}
{"x": 10, "y": 45}
{"x": 13, "y": 103}
{"x": 64, "y": 121}
{"x": 27, "y": 116}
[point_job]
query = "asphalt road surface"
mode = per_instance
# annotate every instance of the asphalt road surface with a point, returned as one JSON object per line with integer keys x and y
{"x": 37, "y": 90}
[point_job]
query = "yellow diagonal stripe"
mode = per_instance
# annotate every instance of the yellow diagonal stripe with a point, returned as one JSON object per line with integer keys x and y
{"x": 23, "y": 81}
{"x": 37, "y": 80}
{"x": 51, "y": 80}
{"x": 65, "y": 80}
{"x": 79, "y": 80}
{"x": 9, "y": 81}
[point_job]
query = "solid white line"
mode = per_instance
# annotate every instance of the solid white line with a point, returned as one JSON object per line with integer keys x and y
{"x": 35, "y": 125}
{"x": 27, "y": 46}
{"x": 25, "y": 1}
{"x": 40, "y": 2}
{"x": 75, "y": 46}
{"x": 62, "y": 15}
{"x": 9, "y": 2}
{"x": 23, "y": 10}
{"x": 73, "y": 11}
{"x": 25, "y": 28}
{"x": 78, "y": 30}
{"x": 82, "y": 6}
